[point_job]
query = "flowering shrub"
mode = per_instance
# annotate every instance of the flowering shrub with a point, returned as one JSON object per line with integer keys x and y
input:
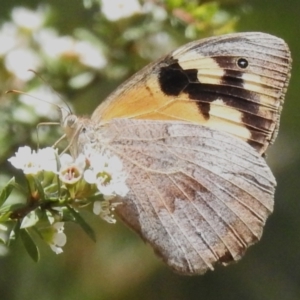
{"x": 57, "y": 187}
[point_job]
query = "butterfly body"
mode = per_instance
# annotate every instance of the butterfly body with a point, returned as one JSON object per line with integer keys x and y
{"x": 190, "y": 130}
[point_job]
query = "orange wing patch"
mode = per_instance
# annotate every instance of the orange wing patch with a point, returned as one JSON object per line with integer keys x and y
{"x": 144, "y": 99}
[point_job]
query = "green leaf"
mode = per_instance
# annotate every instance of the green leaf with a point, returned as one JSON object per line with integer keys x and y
{"x": 29, "y": 245}
{"x": 205, "y": 11}
{"x": 4, "y": 194}
{"x": 11, "y": 208}
{"x": 171, "y": 4}
{"x": 82, "y": 223}
{"x": 4, "y": 216}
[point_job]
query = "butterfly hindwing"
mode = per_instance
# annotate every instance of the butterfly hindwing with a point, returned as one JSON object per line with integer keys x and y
{"x": 198, "y": 196}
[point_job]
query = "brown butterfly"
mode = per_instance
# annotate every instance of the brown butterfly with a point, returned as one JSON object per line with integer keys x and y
{"x": 190, "y": 130}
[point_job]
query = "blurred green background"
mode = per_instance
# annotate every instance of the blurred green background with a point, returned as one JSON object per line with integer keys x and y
{"x": 120, "y": 265}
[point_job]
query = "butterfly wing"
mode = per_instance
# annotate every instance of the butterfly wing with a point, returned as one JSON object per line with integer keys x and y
{"x": 197, "y": 195}
{"x": 233, "y": 83}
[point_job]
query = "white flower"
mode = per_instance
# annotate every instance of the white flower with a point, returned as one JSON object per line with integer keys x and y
{"x": 8, "y": 37}
{"x": 89, "y": 55}
{"x": 118, "y": 9}
{"x": 107, "y": 173}
{"x": 27, "y": 18}
{"x": 26, "y": 160}
{"x": 19, "y": 60}
{"x": 71, "y": 170}
{"x": 47, "y": 157}
{"x": 104, "y": 209}
{"x": 66, "y": 160}
{"x": 55, "y": 236}
{"x": 32, "y": 162}
{"x": 68, "y": 47}
{"x": 55, "y": 46}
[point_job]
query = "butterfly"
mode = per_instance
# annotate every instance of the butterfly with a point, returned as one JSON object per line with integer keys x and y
{"x": 191, "y": 130}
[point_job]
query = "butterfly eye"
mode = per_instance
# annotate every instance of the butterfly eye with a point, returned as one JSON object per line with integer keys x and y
{"x": 71, "y": 120}
{"x": 242, "y": 63}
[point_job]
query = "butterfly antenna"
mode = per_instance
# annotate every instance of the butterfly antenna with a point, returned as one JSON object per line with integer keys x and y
{"x": 60, "y": 108}
{"x": 51, "y": 88}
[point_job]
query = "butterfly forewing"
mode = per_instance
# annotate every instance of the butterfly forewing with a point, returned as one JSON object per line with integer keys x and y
{"x": 233, "y": 83}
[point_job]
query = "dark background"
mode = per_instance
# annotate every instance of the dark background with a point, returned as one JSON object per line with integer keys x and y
{"x": 120, "y": 266}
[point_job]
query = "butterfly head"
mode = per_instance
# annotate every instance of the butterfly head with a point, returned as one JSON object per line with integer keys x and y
{"x": 79, "y": 131}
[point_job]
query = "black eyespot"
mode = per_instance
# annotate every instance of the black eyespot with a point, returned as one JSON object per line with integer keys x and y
{"x": 83, "y": 130}
{"x": 242, "y": 63}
